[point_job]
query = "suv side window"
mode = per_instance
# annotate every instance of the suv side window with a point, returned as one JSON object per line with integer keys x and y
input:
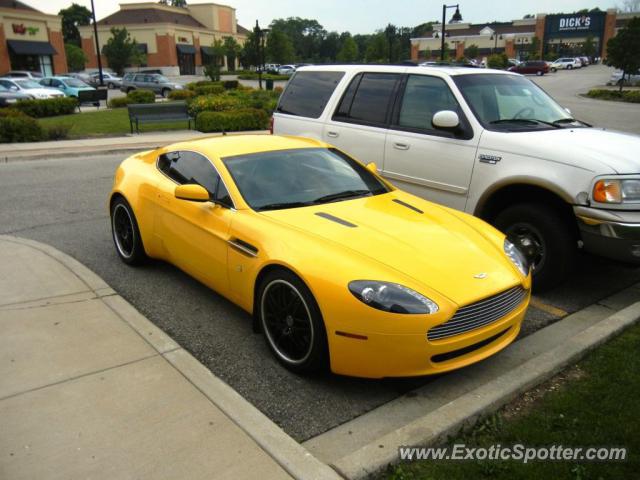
{"x": 423, "y": 97}
{"x": 139, "y": 78}
{"x": 307, "y": 93}
{"x": 187, "y": 168}
{"x": 368, "y": 98}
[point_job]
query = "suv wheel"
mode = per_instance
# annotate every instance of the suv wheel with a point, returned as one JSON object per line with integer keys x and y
{"x": 569, "y": 67}
{"x": 539, "y": 73}
{"x": 165, "y": 92}
{"x": 111, "y": 86}
{"x": 546, "y": 239}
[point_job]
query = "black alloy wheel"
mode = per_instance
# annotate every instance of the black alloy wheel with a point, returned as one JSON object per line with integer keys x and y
{"x": 125, "y": 232}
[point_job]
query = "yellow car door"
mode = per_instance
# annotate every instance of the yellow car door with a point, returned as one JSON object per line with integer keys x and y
{"x": 194, "y": 234}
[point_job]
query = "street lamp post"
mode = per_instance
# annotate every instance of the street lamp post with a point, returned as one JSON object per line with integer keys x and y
{"x": 455, "y": 18}
{"x": 95, "y": 34}
{"x": 495, "y": 44}
{"x": 260, "y": 37}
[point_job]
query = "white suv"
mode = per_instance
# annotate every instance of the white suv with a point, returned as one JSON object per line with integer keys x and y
{"x": 488, "y": 142}
{"x": 566, "y": 63}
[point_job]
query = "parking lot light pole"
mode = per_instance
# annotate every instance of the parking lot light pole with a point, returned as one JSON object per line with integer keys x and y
{"x": 95, "y": 34}
{"x": 455, "y": 18}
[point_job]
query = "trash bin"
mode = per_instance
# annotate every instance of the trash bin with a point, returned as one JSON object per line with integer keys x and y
{"x": 269, "y": 84}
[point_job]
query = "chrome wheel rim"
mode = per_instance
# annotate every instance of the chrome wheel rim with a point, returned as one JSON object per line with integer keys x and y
{"x": 530, "y": 242}
{"x": 123, "y": 231}
{"x": 286, "y": 321}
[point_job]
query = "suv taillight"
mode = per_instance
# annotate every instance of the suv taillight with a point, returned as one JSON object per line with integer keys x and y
{"x": 271, "y": 121}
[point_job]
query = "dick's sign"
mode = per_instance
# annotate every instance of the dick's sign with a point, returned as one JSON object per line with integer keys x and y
{"x": 569, "y": 24}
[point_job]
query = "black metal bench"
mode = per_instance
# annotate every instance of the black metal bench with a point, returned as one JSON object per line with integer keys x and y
{"x": 158, "y": 112}
{"x": 92, "y": 97}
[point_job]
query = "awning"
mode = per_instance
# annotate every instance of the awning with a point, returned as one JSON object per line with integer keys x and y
{"x": 29, "y": 47}
{"x": 185, "y": 48}
{"x": 207, "y": 51}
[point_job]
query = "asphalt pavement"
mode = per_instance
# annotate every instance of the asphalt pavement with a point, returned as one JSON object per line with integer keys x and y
{"x": 62, "y": 202}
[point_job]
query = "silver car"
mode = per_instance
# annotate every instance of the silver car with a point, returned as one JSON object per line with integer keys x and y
{"x": 629, "y": 79}
{"x": 109, "y": 79}
{"x": 159, "y": 84}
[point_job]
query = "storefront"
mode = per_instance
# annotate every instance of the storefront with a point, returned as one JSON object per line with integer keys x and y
{"x": 30, "y": 40}
{"x": 566, "y": 35}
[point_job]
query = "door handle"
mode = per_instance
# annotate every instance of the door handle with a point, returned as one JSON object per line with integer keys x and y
{"x": 333, "y": 134}
{"x": 401, "y": 146}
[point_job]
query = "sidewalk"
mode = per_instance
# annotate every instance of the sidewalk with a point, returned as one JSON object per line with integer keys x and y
{"x": 11, "y": 152}
{"x": 89, "y": 388}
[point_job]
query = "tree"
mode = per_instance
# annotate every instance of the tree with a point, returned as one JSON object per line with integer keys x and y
{"x": 534, "y": 49}
{"x": 305, "y": 34}
{"x": 179, "y": 3}
{"x": 279, "y": 47}
{"x": 422, "y": 30}
{"x": 121, "y": 50}
{"x": 349, "y": 51}
{"x": 589, "y": 47}
{"x": 72, "y": 17}
{"x": 216, "y": 60}
{"x": 232, "y": 51}
{"x": 623, "y": 50}
{"x": 76, "y": 58}
{"x": 330, "y": 46}
{"x": 426, "y": 53}
{"x": 472, "y": 51}
{"x": 377, "y": 49}
{"x": 391, "y": 32}
{"x": 630, "y": 6}
{"x": 447, "y": 52}
{"x": 249, "y": 55}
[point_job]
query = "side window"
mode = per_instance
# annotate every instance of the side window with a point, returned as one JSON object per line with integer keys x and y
{"x": 307, "y": 93}
{"x": 367, "y": 102}
{"x": 423, "y": 97}
{"x": 222, "y": 195}
{"x": 139, "y": 78}
{"x": 55, "y": 83}
{"x": 189, "y": 168}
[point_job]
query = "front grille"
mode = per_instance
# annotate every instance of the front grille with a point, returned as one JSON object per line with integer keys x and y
{"x": 479, "y": 314}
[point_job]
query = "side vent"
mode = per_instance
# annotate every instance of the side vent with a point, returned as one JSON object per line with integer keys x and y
{"x": 328, "y": 216}
{"x": 408, "y": 205}
{"x": 243, "y": 247}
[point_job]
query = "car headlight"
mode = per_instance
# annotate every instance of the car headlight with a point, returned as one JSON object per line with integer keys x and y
{"x": 391, "y": 297}
{"x": 611, "y": 190}
{"x": 516, "y": 257}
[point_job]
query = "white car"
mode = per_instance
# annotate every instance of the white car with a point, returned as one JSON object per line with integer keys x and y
{"x": 286, "y": 69}
{"x": 566, "y": 63}
{"x": 487, "y": 142}
{"x": 30, "y": 87}
{"x": 630, "y": 79}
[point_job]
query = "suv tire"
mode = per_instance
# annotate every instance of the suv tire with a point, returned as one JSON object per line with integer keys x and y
{"x": 166, "y": 92}
{"x": 545, "y": 237}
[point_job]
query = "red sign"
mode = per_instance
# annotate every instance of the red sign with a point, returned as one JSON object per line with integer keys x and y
{"x": 20, "y": 29}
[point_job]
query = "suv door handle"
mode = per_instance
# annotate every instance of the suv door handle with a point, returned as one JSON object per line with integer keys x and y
{"x": 401, "y": 146}
{"x": 333, "y": 134}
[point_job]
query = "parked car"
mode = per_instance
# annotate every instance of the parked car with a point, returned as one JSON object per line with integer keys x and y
{"x": 83, "y": 77}
{"x": 513, "y": 62}
{"x": 159, "y": 84}
{"x": 272, "y": 68}
{"x": 8, "y": 97}
{"x": 584, "y": 61}
{"x": 566, "y": 63}
{"x": 68, "y": 85}
{"x": 29, "y": 87}
{"x": 23, "y": 74}
{"x": 324, "y": 253}
{"x": 531, "y": 67}
{"x": 286, "y": 70}
{"x": 110, "y": 80}
{"x": 488, "y": 142}
{"x": 630, "y": 79}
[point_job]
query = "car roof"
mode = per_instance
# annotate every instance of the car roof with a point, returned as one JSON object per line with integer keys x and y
{"x": 232, "y": 145}
{"x": 444, "y": 70}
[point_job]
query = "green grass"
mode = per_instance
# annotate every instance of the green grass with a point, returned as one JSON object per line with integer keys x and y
{"x": 601, "y": 407}
{"x": 105, "y": 122}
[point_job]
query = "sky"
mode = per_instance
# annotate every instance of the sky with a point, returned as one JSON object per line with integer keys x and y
{"x": 361, "y": 16}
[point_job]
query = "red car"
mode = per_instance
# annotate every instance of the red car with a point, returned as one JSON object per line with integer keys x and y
{"x": 534, "y": 66}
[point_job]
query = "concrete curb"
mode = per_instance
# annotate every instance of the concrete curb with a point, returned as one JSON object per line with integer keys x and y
{"x": 462, "y": 412}
{"x": 289, "y": 454}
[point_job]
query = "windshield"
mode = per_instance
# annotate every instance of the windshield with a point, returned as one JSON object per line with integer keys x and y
{"x": 74, "y": 82}
{"x": 300, "y": 177}
{"x": 500, "y": 101}
{"x": 28, "y": 84}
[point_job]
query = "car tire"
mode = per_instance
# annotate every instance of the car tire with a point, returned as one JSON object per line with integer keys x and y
{"x": 110, "y": 86}
{"x": 569, "y": 67}
{"x": 545, "y": 237}
{"x": 130, "y": 89}
{"x": 291, "y": 322}
{"x": 165, "y": 92}
{"x": 554, "y": 70}
{"x": 539, "y": 73}
{"x": 126, "y": 234}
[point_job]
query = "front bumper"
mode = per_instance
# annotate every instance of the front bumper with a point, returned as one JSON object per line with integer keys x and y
{"x": 613, "y": 234}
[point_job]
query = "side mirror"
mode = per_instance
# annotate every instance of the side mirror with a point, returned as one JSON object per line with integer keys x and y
{"x": 192, "y": 192}
{"x": 445, "y": 119}
{"x": 372, "y": 167}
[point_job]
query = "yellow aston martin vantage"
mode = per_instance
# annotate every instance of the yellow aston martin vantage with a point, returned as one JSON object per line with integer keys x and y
{"x": 338, "y": 268}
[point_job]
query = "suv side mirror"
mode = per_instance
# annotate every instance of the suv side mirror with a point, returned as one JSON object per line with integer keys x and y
{"x": 372, "y": 167}
{"x": 445, "y": 119}
{"x": 192, "y": 192}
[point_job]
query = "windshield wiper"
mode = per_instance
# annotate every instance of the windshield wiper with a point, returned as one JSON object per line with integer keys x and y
{"x": 341, "y": 195}
{"x": 528, "y": 121}
{"x": 569, "y": 120}
{"x": 283, "y": 205}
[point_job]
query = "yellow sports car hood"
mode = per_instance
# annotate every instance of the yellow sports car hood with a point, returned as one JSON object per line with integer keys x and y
{"x": 414, "y": 237}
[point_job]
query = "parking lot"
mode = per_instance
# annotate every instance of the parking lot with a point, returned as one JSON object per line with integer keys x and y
{"x": 62, "y": 202}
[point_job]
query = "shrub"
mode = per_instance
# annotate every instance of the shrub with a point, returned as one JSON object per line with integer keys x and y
{"x": 230, "y": 84}
{"x": 498, "y": 61}
{"x": 181, "y": 94}
{"x": 118, "y": 102}
{"x": 214, "y": 103}
{"x": 265, "y": 76}
{"x": 141, "y": 96}
{"x": 49, "y": 107}
{"x": 201, "y": 83}
{"x": 209, "y": 90}
{"x": 20, "y": 128}
{"x": 11, "y": 112}
{"x": 245, "y": 119}
{"x": 631, "y": 96}
{"x": 58, "y": 131}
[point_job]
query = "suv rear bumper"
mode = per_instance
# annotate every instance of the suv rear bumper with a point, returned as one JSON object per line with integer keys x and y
{"x": 610, "y": 233}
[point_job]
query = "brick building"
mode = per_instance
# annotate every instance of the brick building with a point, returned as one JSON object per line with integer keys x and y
{"x": 559, "y": 34}
{"x": 175, "y": 40}
{"x": 30, "y": 40}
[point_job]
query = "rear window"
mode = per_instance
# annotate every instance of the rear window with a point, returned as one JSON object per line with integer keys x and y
{"x": 307, "y": 93}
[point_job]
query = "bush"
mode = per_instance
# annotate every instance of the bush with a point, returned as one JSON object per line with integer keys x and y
{"x": 214, "y": 103}
{"x": 181, "y": 94}
{"x": 631, "y": 96}
{"x": 141, "y": 96}
{"x": 498, "y": 61}
{"x": 11, "y": 112}
{"x": 118, "y": 102}
{"x": 201, "y": 83}
{"x": 265, "y": 76}
{"x": 209, "y": 90}
{"x": 20, "y": 128}
{"x": 245, "y": 119}
{"x": 57, "y": 132}
{"x": 49, "y": 107}
{"x": 230, "y": 84}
